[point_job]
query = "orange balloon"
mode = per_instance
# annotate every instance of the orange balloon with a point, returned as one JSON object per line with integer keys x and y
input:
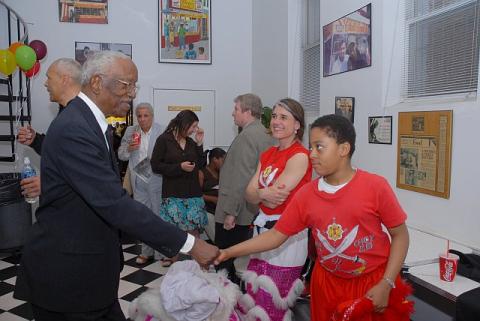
{"x": 14, "y": 46}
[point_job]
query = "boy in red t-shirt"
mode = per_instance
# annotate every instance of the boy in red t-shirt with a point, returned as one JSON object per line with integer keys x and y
{"x": 356, "y": 275}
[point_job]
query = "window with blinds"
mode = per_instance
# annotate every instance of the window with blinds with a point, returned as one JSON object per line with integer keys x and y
{"x": 311, "y": 80}
{"x": 310, "y": 84}
{"x": 441, "y": 47}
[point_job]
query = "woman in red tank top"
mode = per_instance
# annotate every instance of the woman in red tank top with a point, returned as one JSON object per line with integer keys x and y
{"x": 272, "y": 277}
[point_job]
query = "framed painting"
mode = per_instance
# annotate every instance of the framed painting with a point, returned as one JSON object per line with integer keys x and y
{"x": 184, "y": 31}
{"x": 83, "y": 11}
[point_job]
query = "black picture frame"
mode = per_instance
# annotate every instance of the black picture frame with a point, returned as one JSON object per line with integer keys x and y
{"x": 380, "y": 130}
{"x": 347, "y": 42}
{"x": 345, "y": 106}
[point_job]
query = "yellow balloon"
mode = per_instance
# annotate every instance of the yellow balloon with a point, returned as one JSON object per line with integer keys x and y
{"x": 7, "y": 62}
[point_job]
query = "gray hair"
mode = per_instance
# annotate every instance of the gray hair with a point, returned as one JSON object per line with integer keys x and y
{"x": 144, "y": 106}
{"x": 100, "y": 63}
{"x": 70, "y": 67}
{"x": 250, "y": 102}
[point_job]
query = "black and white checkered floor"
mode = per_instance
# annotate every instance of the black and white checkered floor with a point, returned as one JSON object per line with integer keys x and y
{"x": 133, "y": 281}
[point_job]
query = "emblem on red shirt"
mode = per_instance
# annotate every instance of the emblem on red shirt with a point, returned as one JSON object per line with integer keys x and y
{"x": 267, "y": 176}
{"x": 334, "y": 232}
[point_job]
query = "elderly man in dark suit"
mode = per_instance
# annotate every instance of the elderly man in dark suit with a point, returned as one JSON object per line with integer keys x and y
{"x": 71, "y": 263}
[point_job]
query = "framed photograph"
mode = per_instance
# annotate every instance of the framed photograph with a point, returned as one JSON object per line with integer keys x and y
{"x": 345, "y": 106}
{"x": 380, "y": 130}
{"x": 184, "y": 31}
{"x": 85, "y": 49}
{"x": 425, "y": 152}
{"x": 347, "y": 42}
{"x": 83, "y": 11}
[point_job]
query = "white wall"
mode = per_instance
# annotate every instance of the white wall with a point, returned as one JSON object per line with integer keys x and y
{"x": 276, "y": 49}
{"x": 135, "y": 22}
{"x": 270, "y": 50}
{"x": 457, "y": 218}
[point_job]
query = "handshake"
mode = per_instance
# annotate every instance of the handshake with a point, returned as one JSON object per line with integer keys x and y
{"x": 206, "y": 254}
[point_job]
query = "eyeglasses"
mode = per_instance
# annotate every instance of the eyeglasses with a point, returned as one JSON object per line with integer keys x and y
{"x": 131, "y": 87}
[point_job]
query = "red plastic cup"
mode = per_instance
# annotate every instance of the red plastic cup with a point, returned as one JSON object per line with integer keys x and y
{"x": 448, "y": 266}
{"x": 136, "y": 138}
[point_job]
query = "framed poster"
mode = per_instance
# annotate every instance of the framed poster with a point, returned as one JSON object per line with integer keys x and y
{"x": 347, "y": 42}
{"x": 380, "y": 130}
{"x": 345, "y": 106}
{"x": 83, "y": 11}
{"x": 184, "y": 31}
{"x": 425, "y": 152}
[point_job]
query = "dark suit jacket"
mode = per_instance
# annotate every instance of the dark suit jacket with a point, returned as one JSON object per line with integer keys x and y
{"x": 72, "y": 259}
{"x": 39, "y": 138}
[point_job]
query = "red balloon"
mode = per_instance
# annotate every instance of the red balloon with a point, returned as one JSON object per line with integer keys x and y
{"x": 34, "y": 70}
{"x": 39, "y": 47}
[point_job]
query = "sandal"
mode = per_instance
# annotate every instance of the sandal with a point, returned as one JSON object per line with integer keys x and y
{"x": 143, "y": 259}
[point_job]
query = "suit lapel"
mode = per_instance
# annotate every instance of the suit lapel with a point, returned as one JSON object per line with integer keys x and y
{"x": 92, "y": 122}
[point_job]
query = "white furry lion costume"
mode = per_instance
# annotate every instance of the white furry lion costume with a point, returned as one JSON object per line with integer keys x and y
{"x": 186, "y": 293}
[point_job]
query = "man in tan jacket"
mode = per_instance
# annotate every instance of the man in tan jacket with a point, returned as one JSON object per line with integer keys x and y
{"x": 233, "y": 214}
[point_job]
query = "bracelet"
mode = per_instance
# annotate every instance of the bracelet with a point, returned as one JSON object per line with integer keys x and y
{"x": 390, "y": 282}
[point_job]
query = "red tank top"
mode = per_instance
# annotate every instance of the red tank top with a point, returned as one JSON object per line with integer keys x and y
{"x": 273, "y": 163}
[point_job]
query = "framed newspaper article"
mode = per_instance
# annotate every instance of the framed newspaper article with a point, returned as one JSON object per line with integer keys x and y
{"x": 380, "y": 130}
{"x": 425, "y": 152}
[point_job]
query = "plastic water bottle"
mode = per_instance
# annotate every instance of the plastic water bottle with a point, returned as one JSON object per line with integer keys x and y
{"x": 29, "y": 171}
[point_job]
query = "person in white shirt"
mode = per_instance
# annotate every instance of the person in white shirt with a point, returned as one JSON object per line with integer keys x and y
{"x": 146, "y": 186}
{"x": 341, "y": 63}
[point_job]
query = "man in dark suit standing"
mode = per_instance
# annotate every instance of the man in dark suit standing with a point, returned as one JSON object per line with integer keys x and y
{"x": 71, "y": 263}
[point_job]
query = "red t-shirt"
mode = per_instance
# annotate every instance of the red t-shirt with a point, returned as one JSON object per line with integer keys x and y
{"x": 346, "y": 226}
{"x": 273, "y": 162}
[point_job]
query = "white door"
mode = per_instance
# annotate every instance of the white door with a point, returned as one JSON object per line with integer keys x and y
{"x": 167, "y": 103}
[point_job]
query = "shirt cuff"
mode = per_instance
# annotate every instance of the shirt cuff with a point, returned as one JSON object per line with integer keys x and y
{"x": 188, "y": 245}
